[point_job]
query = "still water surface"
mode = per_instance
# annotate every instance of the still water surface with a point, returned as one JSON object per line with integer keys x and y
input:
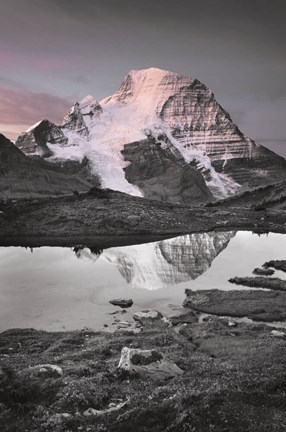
{"x": 56, "y": 288}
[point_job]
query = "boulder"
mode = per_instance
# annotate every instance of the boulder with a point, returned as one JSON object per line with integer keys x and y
{"x": 147, "y": 315}
{"x": 278, "y": 334}
{"x": 147, "y": 363}
{"x": 123, "y": 303}
{"x": 263, "y": 271}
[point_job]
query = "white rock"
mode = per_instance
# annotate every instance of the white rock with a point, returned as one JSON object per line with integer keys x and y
{"x": 112, "y": 407}
{"x": 148, "y": 363}
{"x": 278, "y": 334}
{"x": 231, "y": 324}
{"x": 50, "y": 368}
{"x": 146, "y": 315}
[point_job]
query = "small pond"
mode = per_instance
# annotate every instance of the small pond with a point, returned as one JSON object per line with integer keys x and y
{"x": 55, "y": 288}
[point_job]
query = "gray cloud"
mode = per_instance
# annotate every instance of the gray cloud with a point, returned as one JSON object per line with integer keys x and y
{"x": 21, "y": 108}
{"x": 68, "y": 48}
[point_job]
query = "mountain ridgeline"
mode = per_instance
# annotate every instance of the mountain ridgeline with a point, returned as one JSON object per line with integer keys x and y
{"x": 160, "y": 136}
{"x": 22, "y": 177}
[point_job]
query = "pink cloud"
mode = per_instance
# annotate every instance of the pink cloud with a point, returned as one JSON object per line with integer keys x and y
{"x": 20, "y": 108}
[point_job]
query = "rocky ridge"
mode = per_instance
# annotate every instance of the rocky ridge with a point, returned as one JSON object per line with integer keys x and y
{"x": 22, "y": 177}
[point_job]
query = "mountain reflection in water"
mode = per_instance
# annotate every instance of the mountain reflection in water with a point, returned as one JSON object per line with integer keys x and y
{"x": 156, "y": 265}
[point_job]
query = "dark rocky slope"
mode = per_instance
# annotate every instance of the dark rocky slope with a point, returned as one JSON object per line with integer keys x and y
{"x": 162, "y": 173}
{"x": 21, "y": 176}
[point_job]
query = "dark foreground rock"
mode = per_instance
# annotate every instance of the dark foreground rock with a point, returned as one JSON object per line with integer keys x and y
{"x": 123, "y": 303}
{"x": 277, "y": 264}
{"x": 260, "y": 282}
{"x": 263, "y": 271}
{"x": 233, "y": 380}
{"x": 258, "y": 305}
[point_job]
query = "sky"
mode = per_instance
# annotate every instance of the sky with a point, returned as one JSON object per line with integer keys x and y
{"x": 53, "y": 52}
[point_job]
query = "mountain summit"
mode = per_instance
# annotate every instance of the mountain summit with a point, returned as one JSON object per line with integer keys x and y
{"x": 160, "y": 135}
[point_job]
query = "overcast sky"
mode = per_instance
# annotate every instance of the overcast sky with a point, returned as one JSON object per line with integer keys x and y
{"x": 53, "y": 52}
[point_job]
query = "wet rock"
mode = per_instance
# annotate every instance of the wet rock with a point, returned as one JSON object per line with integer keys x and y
{"x": 278, "y": 334}
{"x": 277, "y": 264}
{"x": 147, "y": 315}
{"x": 263, "y": 272}
{"x": 147, "y": 363}
{"x": 260, "y": 282}
{"x": 123, "y": 303}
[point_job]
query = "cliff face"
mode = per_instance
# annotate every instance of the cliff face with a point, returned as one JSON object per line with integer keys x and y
{"x": 160, "y": 135}
{"x": 168, "y": 262}
{"x": 22, "y": 177}
{"x": 35, "y": 141}
{"x": 161, "y": 173}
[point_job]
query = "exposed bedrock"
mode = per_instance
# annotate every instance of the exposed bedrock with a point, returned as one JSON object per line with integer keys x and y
{"x": 258, "y": 305}
{"x": 22, "y": 177}
{"x": 162, "y": 173}
{"x": 34, "y": 141}
{"x": 260, "y": 282}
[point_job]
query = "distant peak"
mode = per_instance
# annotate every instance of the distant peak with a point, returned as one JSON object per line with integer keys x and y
{"x": 153, "y": 82}
{"x": 87, "y": 101}
{"x": 150, "y": 73}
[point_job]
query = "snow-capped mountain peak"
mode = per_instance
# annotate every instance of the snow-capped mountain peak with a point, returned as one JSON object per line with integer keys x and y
{"x": 157, "y": 130}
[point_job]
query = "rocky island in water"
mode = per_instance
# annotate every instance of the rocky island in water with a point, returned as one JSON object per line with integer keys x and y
{"x": 143, "y": 268}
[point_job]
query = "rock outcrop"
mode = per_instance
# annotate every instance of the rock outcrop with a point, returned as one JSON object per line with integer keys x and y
{"x": 21, "y": 176}
{"x": 257, "y": 305}
{"x": 147, "y": 316}
{"x": 147, "y": 363}
{"x": 260, "y": 282}
{"x": 152, "y": 165}
{"x": 276, "y": 264}
{"x": 36, "y": 139}
{"x": 123, "y": 303}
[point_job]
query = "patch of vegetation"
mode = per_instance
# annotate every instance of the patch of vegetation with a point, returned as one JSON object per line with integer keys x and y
{"x": 232, "y": 378}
